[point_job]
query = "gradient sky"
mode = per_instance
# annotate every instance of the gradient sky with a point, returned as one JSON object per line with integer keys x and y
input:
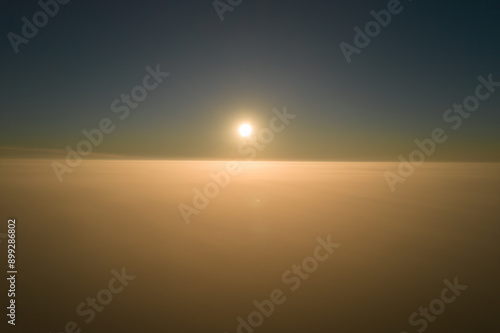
{"x": 264, "y": 55}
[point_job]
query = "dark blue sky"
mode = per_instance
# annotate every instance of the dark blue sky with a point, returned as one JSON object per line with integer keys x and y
{"x": 264, "y": 55}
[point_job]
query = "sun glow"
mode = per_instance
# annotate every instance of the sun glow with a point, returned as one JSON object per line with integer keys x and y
{"x": 245, "y": 130}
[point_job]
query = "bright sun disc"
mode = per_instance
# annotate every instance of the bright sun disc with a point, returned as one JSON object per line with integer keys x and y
{"x": 245, "y": 130}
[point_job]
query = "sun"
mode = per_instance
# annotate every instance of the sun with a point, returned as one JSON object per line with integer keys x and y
{"x": 245, "y": 130}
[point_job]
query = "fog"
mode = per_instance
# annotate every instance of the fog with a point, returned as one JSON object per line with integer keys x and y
{"x": 396, "y": 249}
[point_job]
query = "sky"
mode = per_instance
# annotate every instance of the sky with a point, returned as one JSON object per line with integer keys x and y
{"x": 263, "y": 55}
